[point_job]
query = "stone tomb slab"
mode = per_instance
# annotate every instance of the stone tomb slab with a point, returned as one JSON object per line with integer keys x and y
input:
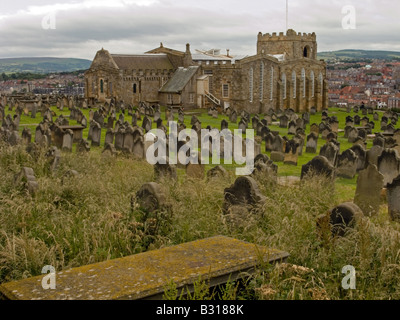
{"x": 145, "y": 275}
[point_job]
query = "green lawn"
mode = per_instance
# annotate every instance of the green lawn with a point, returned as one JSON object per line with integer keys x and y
{"x": 284, "y": 170}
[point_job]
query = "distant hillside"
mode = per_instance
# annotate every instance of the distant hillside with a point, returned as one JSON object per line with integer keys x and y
{"x": 42, "y": 65}
{"x": 359, "y": 55}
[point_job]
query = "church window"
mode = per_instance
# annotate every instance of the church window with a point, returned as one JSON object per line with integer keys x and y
{"x": 251, "y": 84}
{"x": 225, "y": 90}
{"x": 271, "y": 89}
{"x": 312, "y": 84}
{"x": 284, "y": 85}
{"x": 261, "y": 88}
{"x": 303, "y": 82}
{"x": 101, "y": 86}
{"x": 294, "y": 83}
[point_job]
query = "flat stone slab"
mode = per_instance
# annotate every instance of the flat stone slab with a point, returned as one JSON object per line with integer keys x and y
{"x": 145, "y": 275}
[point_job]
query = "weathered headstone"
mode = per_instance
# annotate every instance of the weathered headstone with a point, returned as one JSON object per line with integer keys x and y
{"x": 347, "y": 164}
{"x": 368, "y": 192}
{"x": 318, "y": 166}
{"x": 388, "y": 165}
{"x": 393, "y": 198}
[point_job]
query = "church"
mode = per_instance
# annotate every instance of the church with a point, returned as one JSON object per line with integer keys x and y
{"x": 284, "y": 73}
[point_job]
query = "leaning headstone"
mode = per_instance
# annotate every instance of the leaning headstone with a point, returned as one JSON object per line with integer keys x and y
{"x": 393, "y": 199}
{"x": 368, "y": 192}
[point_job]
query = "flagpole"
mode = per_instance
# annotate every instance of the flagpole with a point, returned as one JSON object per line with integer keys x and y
{"x": 287, "y": 15}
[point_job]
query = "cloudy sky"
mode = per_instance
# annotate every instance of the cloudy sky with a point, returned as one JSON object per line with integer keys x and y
{"x": 78, "y": 28}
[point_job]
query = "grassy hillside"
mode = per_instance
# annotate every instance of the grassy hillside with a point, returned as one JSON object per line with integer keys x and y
{"x": 42, "y": 65}
{"x": 78, "y": 220}
{"x": 359, "y": 55}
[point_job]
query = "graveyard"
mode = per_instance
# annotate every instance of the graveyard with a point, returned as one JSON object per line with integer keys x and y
{"x": 76, "y": 190}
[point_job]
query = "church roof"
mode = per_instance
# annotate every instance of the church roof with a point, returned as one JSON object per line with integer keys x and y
{"x": 179, "y": 80}
{"x": 143, "y": 61}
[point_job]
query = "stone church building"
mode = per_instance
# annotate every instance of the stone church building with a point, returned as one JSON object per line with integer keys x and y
{"x": 285, "y": 73}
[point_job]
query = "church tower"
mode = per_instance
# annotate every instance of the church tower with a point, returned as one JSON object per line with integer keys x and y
{"x": 293, "y": 45}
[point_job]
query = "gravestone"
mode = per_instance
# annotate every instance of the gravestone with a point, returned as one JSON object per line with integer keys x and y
{"x": 96, "y": 134}
{"x": 217, "y": 172}
{"x": 109, "y": 136}
{"x": 147, "y": 124}
{"x": 314, "y": 128}
{"x": 362, "y": 156}
{"x": 388, "y": 165}
{"x": 347, "y": 164}
{"x": 373, "y": 154}
{"x": 330, "y": 151}
{"x": 291, "y": 152}
{"x": 26, "y": 136}
{"x": 343, "y": 217}
{"x": 83, "y": 146}
{"x": 368, "y": 192}
{"x": 243, "y": 196}
{"x": 224, "y": 124}
{"x": 292, "y": 128}
{"x": 109, "y": 150}
{"x": 318, "y": 166}
{"x": 312, "y": 143}
{"x": 26, "y": 178}
{"x": 393, "y": 199}
{"x": 269, "y": 142}
{"x": 139, "y": 147}
{"x": 67, "y": 140}
{"x": 165, "y": 171}
{"x": 352, "y": 134}
{"x": 119, "y": 139}
{"x": 283, "y": 121}
{"x": 150, "y": 198}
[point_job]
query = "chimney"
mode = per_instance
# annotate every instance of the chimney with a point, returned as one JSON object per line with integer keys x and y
{"x": 187, "y": 59}
{"x": 227, "y": 53}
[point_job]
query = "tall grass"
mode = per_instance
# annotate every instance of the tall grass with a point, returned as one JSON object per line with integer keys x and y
{"x": 77, "y": 220}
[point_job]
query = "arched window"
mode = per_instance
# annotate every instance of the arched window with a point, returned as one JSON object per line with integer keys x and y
{"x": 134, "y": 88}
{"x": 312, "y": 84}
{"x": 321, "y": 81}
{"x": 271, "y": 89}
{"x": 306, "y": 52}
{"x": 251, "y": 84}
{"x": 101, "y": 86}
{"x": 261, "y": 81}
{"x": 284, "y": 85}
{"x": 294, "y": 83}
{"x": 303, "y": 82}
